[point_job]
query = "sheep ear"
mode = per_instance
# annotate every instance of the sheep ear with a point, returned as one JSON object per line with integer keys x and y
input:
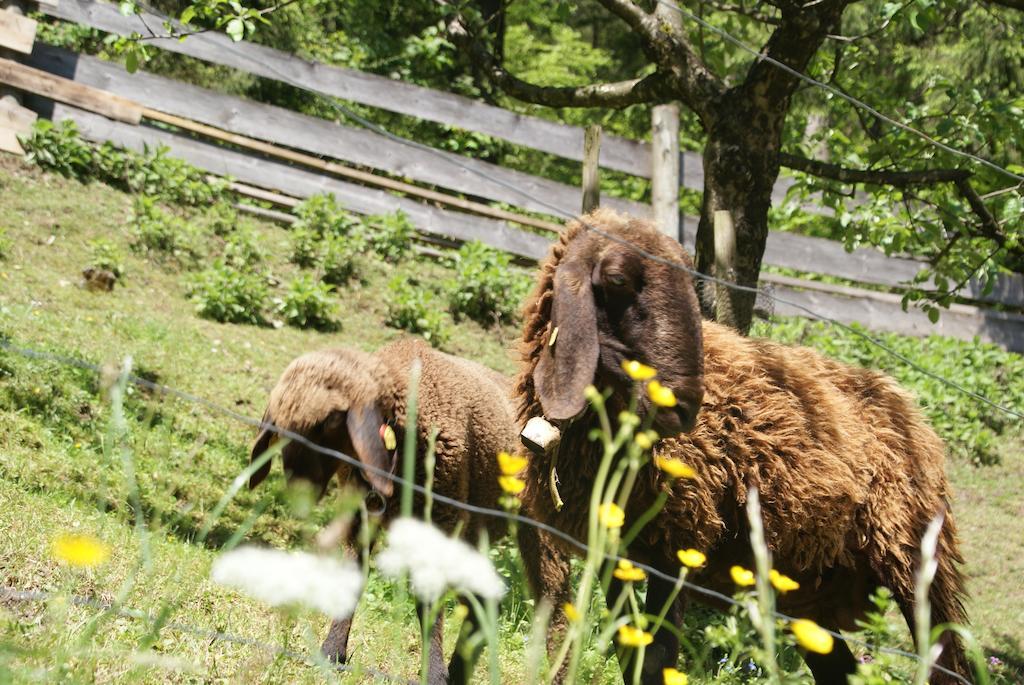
{"x": 364, "y": 430}
{"x": 263, "y": 443}
{"x": 567, "y": 366}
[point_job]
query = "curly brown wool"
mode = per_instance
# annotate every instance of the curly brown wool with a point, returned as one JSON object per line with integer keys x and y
{"x": 340, "y": 398}
{"x": 848, "y": 470}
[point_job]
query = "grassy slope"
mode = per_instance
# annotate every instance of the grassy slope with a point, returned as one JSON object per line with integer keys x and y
{"x": 55, "y": 473}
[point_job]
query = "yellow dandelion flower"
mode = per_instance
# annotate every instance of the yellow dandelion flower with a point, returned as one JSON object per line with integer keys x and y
{"x": 511, "y": 484}
{"x": 628, "y": 572}
{"x": 644, "y": 441}
{"x": 460, "y": 611}
{"x": 80, "y": 550}
{"x": 671, "y": 676}
{"x": 675, "y": 468}
{"x": 782, "y": 582}
{"x": 741, "y": 576}
{"x": 811, "y": 636}
{"x": 510, "y": 464}
{"x": 691, "y": 558}
{"x": 611, "y": 515}
{"x": 631, "y": 636}
{"x": 570, "y": 612}
{"x": 660, "y": 395}
{"x": 591, "y": 393}
{"x": 638, "y": 371}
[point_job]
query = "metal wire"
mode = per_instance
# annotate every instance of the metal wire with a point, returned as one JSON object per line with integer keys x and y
{"x": 13, "y": 594}
{"x": 465, "y": 506}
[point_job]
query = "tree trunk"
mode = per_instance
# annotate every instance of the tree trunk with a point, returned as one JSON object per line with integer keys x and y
{"x": 740, "y": 167}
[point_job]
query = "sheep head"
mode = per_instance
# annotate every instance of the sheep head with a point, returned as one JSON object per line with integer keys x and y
{"x": 606, "y": 303}
{"x": 338, "y": 399}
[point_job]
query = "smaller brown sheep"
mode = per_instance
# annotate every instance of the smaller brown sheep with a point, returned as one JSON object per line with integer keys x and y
{"x": 344, "y": 400}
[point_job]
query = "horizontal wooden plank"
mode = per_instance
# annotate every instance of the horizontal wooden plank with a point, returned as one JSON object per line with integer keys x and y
{"x": 300, "y": 183}
{"x": 17, "y": 32}
{"x": 32, "y": 80}
{"x": 882, "y": 312}
{"x": 322, "y": 137}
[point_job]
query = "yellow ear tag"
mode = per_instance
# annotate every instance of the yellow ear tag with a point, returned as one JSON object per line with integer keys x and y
{"x": 390, "y": 441}
{"x": 274, "y": 437}
{"x": 554, "y": 335}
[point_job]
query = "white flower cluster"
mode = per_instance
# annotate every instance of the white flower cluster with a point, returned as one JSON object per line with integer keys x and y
{"x": 435, "y": 561}
{"x": 280, "y": 578}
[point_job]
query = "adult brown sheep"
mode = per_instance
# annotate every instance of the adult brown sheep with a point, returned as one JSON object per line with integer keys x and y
{"x": 849, "y": 472}
{"x": 344, "y": 400}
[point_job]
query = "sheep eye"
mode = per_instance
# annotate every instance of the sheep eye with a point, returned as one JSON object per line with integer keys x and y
{"x": 618, "y": 280}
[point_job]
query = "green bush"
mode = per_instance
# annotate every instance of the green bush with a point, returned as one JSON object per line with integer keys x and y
{"x": 305, "y": 248}
{"x": 229, "y": 295}
{"x": 390, "y": 236}
{"x": 416, "y": 309}
{"x": 242, "y": 249}
{"x": 221, "y": 218}
{"x": 485, "y": 289}
{"x": 60, "y": 148}
{"x": 322, "y": 215}
{"x": 158, "y": 232}
{"x": 105, "y": 254}
{"x": 307, "y": 304}
{"x": 340, "y": 261}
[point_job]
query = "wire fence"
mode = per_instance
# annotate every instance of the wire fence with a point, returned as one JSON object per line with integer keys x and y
{"x": 465, "y": 506}
{"x": 484, "y": 511}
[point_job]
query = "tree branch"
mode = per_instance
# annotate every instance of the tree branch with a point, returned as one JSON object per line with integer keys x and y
{"x": 897, "y": 179}
{"x": 990, "y": 227}
{"x": 619, "y": 94}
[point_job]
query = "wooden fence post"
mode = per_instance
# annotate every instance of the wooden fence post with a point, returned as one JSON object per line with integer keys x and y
{"x": 591, "y": 170}
{"x": 665, "y": 174}
{"x": 665, "y": 169}
{"x": 725, "y": 267}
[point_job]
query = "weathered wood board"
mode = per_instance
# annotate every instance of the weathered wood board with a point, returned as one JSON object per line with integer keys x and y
{"x": 17, "y": 32}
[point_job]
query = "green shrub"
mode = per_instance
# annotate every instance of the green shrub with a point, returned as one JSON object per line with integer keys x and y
{"x": 307, "y": 304}
{"x": 390, "y": 235}
{"x": 230, "y": 295}
{"x": 416, "y": 309}
{"x": 485, "y": 289}
{"x": 157, "y": 232}
{"x": 322, "y": 215}
{"x": 221, "y": 218}
{"x": 242, "y": 249}
{"x": 340, "y": 261}
{"x": 305, "y": 247}
{"x": 105, "y": 254}
{"x": 60, "y": 148}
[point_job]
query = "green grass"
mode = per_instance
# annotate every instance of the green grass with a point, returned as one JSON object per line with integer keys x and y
{"x": 59, "y": 469}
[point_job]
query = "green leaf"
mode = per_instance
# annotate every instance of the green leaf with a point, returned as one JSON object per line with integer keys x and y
{"x": 131, "y": 61}
{"x": 235, "y": 29}
{"x": 933, "y": 315}
{"x": 188, "y": 14}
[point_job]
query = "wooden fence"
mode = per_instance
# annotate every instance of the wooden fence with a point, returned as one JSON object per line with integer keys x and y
{"x": 278, "y": 153}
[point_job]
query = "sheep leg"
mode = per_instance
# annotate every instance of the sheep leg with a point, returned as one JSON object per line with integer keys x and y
{"x": 547, "y": 571}
{"x": 464, "y": 658}
{"x": 335, "y": 646}
{"x": 437, "y": 671}
{"x": 834, "y": 667}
